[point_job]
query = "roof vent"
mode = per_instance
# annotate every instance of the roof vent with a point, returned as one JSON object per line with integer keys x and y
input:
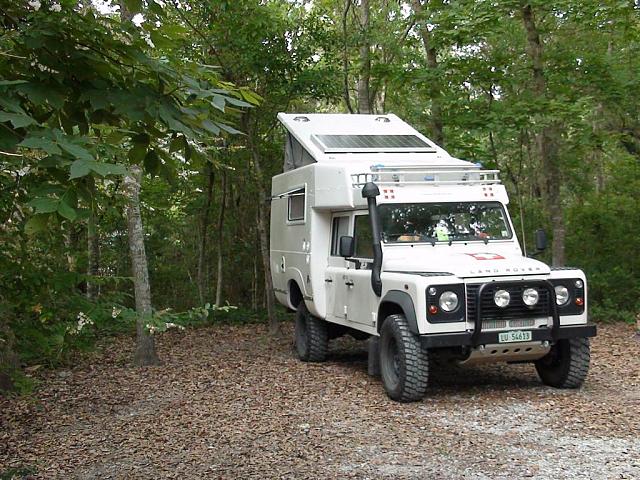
{"x": 300, "y": 119}
{"x": 382, "y": 119}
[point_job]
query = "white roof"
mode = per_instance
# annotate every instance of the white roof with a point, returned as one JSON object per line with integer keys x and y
{"x": 328, "y": 137}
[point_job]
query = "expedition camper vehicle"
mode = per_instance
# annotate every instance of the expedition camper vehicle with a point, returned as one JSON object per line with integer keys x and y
{"x": 379, "y": 233}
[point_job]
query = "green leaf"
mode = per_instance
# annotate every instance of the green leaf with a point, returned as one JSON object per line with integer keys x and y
{"x": 209, "y": 126}
{"x": 70, "y": 198}
{"x": 79, "y": 168}
{"x": 134, "y": 6}
{"x": 105, "y": 169}
{"x": 229, "y": 129}
{"x": 137, "y": 153}
{"x": 41, "y": 143}
{"x": 75, "y": 150}
{"x": 18, "y": 120}
{"x": 155, "y": 8}
{"x": 152, "y": 162}
{"x": 36, "y": 224}
{"x": 176, "y": 144}
{"x": 250, "y": 96}
{"x": 44, "y": 204}
{"x": 67, "y": 211}
{"x": 236, "y": 102}
{"x": 11, "y": 82}
{"x": 218, "y": 101}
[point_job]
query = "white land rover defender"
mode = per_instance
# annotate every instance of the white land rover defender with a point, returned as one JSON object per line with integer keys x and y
{"x": 379, "y": 233}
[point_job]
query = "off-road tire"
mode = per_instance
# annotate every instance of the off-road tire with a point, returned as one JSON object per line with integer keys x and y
{"x": 566, "y": 365}
{"x": 404, "y": 364}
{"x": 312, "y": 336}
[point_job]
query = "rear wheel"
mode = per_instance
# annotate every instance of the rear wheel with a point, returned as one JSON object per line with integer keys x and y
{"x": 566, "y": 365}
{"x": 312, "y": 338}
{"x": 404, "y": 364}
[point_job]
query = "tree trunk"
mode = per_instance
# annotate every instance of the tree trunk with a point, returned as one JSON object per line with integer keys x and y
{"x": 93, "y": 254}
{"x": 223, "y": 203}
{"x": 145, "y": 346}
{"x": 69, "y": 244}
{"x": 201, "y": 273}
{"x": 546, "y": 142}
{"x": 364, "y": 79}
{"x": 263, "y": 213}
{"x": 436, "y": 123}
{"x": 345, "y": 57}
{"x": 9, "y": 361}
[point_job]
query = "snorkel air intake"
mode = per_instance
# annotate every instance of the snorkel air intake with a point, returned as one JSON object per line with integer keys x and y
{"x": 370, "y": 191}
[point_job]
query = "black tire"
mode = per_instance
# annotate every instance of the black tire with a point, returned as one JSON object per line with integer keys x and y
{"x": 312, "y": 337}
{"x": 566, "y": 365}
{"x": 404, "y": 364}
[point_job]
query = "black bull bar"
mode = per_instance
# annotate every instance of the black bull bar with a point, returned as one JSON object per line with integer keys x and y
{"x": 478, "y": 337}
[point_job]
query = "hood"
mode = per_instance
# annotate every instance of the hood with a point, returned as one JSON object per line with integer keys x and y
{"x": 481, "y": 263}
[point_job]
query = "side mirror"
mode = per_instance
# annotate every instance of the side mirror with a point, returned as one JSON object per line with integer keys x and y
{"x": 541, "y": 240}
{"x": 346, "y": 246}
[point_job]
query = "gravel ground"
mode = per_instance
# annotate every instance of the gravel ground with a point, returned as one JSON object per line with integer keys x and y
{"x": 230, "y": 403}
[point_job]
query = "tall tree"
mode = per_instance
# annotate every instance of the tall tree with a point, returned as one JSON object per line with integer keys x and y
{"x": 364, "y": 77}
{"x": 435, "y": 117}
{"x": 145, "y": 353}
{"x": 546, "y": 140}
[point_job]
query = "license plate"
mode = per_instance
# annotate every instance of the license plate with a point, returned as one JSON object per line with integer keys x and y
{"x": 515, "y": 336}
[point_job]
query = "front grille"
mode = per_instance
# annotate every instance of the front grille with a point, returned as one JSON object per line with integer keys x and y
{"x": 516, "y": 310}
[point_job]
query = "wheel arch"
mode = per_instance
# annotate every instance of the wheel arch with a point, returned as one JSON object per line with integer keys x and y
{"x": 398, "y": 302}
{"x": 295, "y": 295}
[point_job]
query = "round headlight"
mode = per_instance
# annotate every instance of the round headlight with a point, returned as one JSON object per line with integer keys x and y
{"x": 530, "y": 297}
{"x": 562, "y": 294}
{"x": 579, "y": 283}
{"x": 501, "y": 298}
{"x": 448, "y": 301}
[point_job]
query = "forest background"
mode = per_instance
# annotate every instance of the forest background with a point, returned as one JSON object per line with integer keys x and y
{"x": 138, "y": 140}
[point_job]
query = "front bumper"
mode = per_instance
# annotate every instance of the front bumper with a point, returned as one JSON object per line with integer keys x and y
{"x": 489, "y": 338}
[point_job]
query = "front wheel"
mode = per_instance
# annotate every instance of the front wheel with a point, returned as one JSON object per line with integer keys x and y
{"x": 404, "y": 364}
{"x": 312, "y": 336}
{"x": 566, "y": 365}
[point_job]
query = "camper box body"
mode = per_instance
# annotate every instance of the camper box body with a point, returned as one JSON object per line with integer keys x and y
{"x": 331, "y": 163}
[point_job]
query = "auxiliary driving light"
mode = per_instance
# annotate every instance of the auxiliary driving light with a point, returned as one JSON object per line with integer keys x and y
{"x": 502, "y": 298}
{"x": 562, "y": 294}
{"x": 530, "y": 297}
{"x": 448, "y": 301}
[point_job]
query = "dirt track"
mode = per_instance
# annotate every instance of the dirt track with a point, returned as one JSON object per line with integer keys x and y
{"x": 228, "y": 403}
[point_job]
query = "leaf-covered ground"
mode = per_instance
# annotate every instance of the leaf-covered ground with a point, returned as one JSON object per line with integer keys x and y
{"x": 230, "y": 403}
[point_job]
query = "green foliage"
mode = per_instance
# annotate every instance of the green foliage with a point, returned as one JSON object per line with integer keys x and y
{"x": 17, "y": 472}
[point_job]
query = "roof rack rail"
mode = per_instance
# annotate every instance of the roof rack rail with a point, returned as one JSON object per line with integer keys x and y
{"x": 433, "y": 175}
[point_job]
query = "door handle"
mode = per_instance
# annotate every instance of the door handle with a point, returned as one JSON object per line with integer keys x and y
{"x": 349, "y": 283}
{"x": 328, "y": 280}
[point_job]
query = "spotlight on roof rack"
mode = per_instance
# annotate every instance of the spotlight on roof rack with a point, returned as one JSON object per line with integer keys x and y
{"x": 382, "y": 119}
{"x": 300, "y": 119}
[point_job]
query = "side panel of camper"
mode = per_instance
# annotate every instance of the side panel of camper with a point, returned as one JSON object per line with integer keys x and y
{"x": 291, "y": 236}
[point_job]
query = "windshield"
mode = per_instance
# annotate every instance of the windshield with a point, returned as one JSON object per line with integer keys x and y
{"x": 443, "y": 222}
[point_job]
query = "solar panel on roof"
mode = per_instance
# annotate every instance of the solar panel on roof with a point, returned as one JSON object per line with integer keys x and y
{"x": 338, "y": 143}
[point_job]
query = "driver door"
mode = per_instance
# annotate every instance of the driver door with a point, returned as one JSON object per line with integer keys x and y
{"x": 335, "y": 275}
{"x": 361, "y": 302}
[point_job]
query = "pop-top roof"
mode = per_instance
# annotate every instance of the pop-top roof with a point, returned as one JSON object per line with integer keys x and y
{"x": 323, "y": 135}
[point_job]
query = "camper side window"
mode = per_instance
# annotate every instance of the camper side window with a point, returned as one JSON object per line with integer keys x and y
{"x": 296, "y": 205}
{"x": 363, "y": 237}
{"x": 339, "y": 229}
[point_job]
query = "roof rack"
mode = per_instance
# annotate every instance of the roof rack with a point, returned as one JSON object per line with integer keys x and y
{"x": 431, "y": 175}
